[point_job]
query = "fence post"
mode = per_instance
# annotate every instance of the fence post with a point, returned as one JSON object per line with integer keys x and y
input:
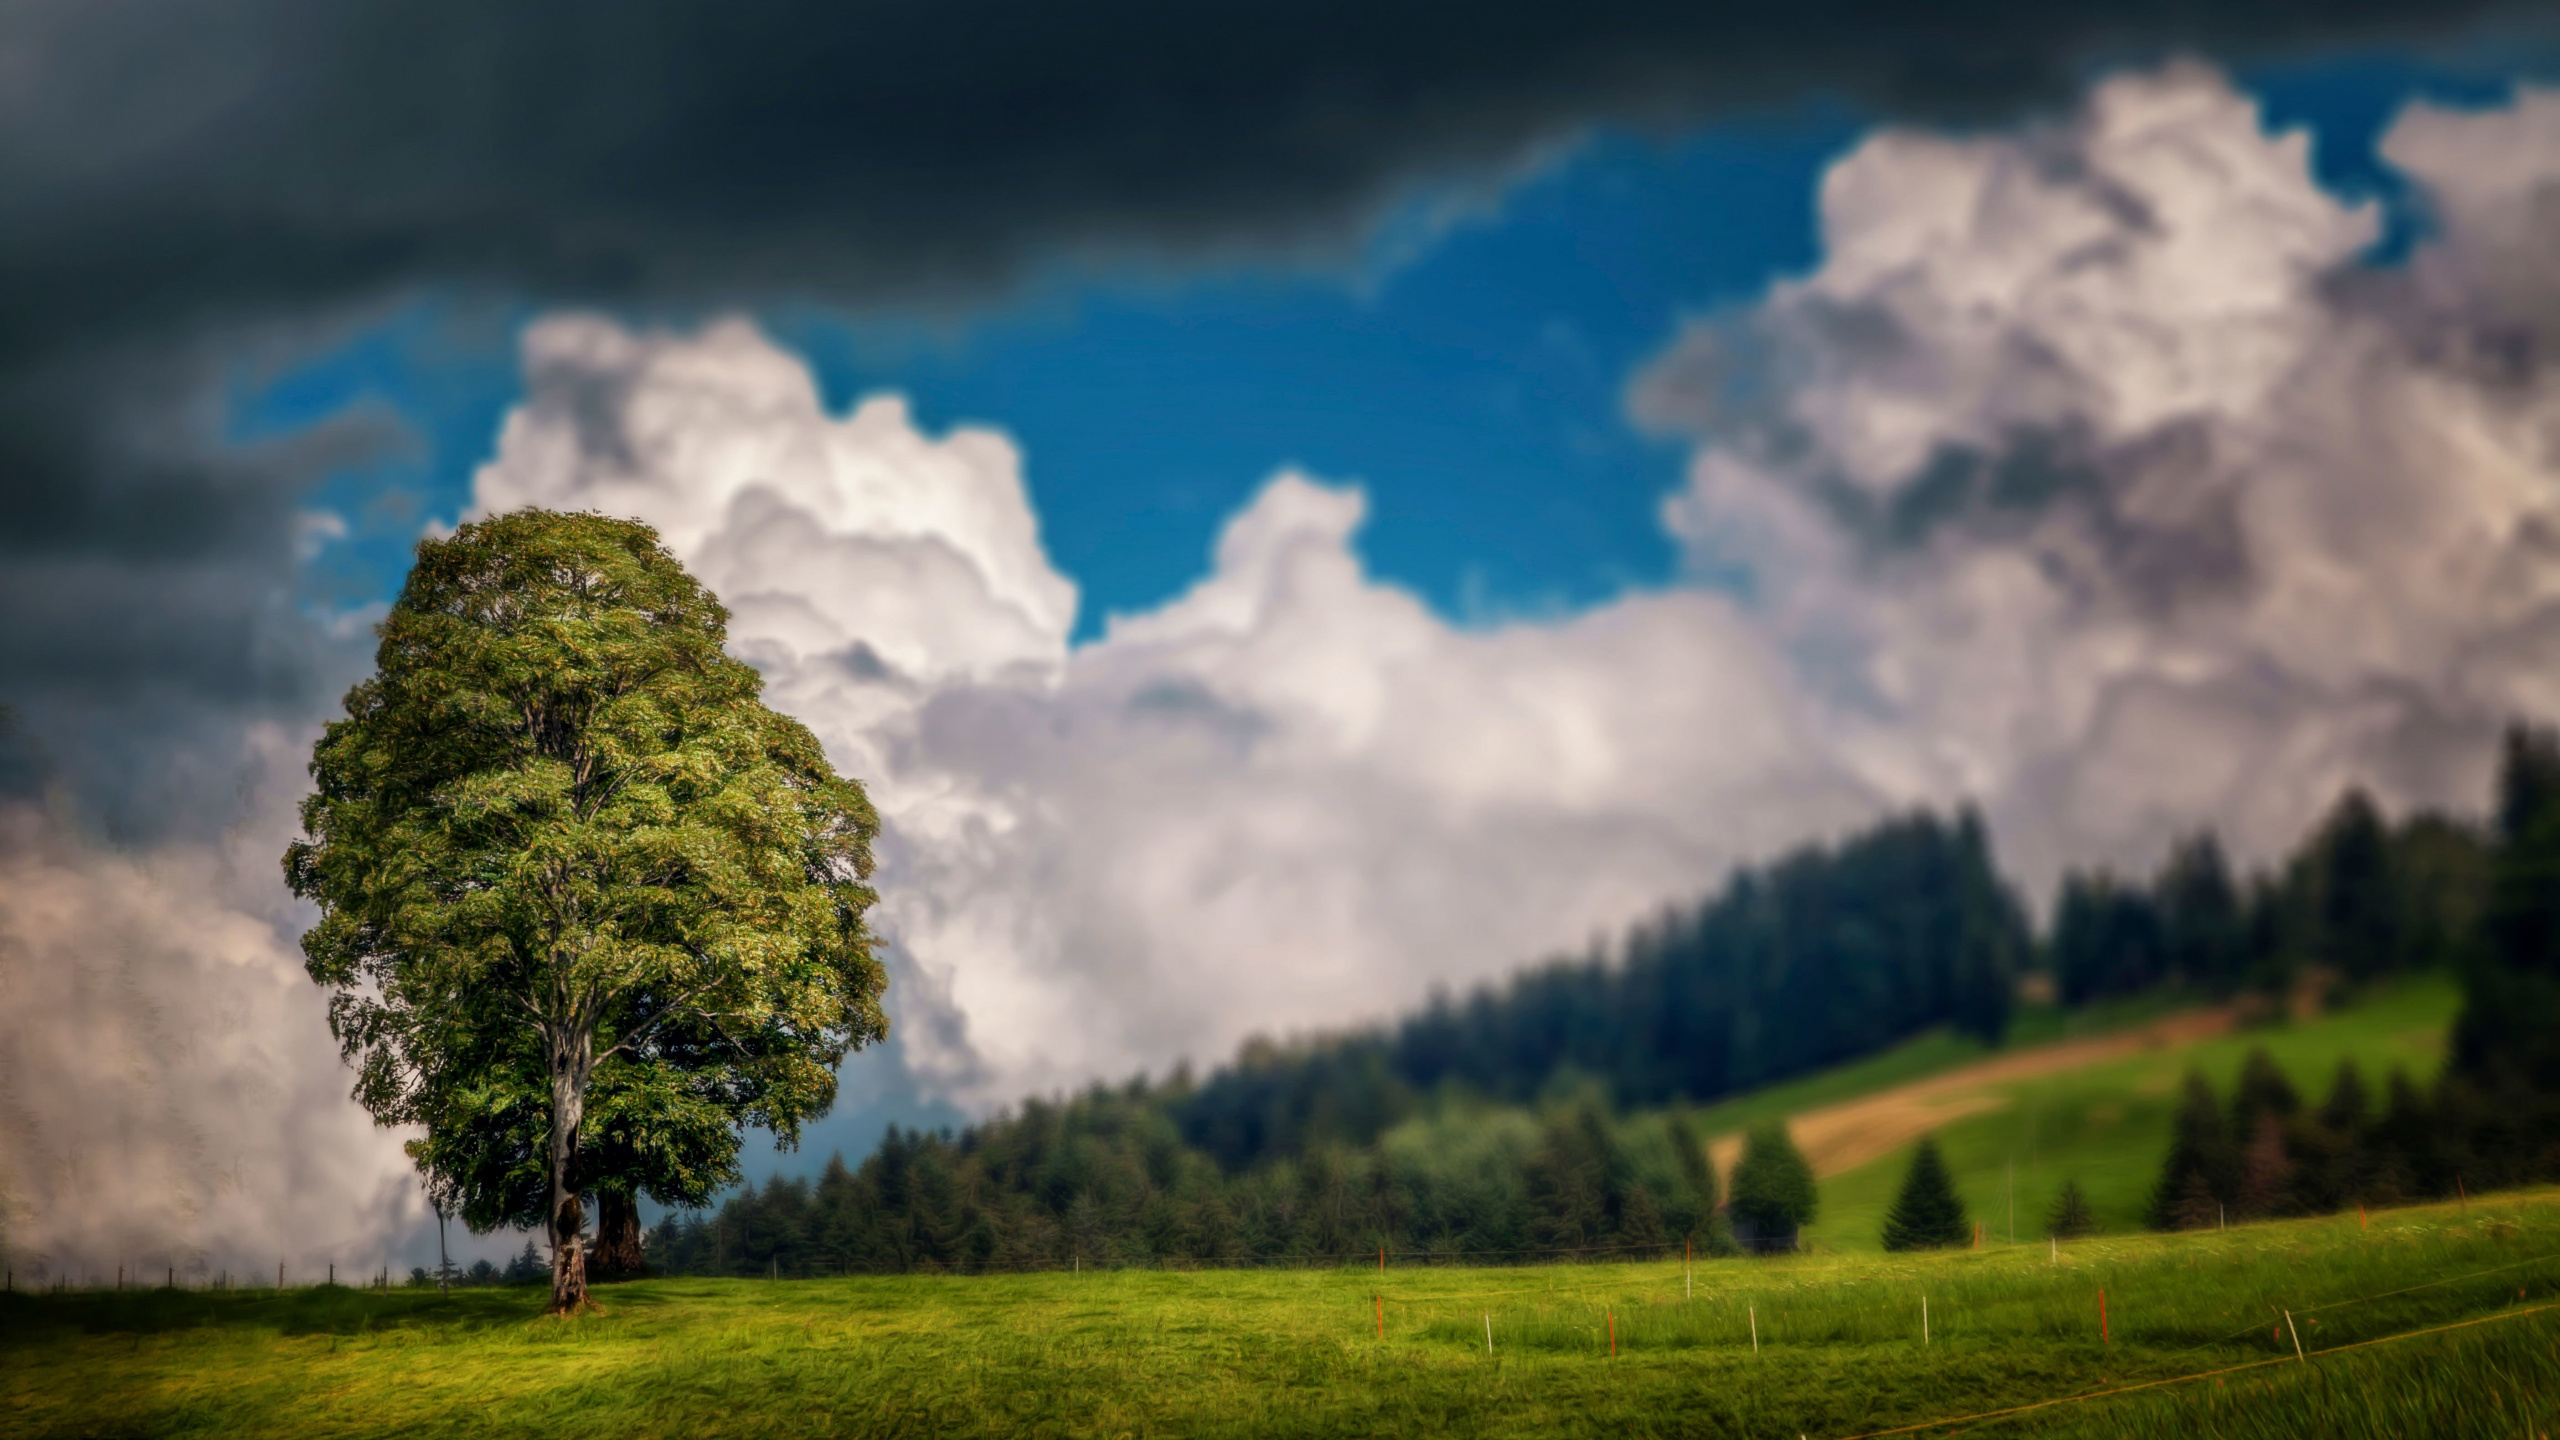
{"x": 2102, "y": 1319}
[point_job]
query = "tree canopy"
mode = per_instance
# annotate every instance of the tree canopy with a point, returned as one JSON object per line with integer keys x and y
{"x": 587, "y": 905}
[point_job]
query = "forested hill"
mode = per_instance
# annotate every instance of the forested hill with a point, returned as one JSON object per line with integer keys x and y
{"x": 1829, "y": 953}
{"x": 1482, "y": 1125}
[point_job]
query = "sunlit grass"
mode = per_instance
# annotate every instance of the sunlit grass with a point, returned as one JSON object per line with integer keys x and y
{"x": 1298, "y": 1352}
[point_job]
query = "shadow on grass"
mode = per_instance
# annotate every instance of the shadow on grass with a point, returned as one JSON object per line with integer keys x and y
{"x": 318, "y": 1310}
{"x": 315, "y": 1310}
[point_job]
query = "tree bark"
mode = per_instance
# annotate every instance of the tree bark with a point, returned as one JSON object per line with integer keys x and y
{"x": 572, "y": 1062}
{"x": 617, "y": 1254}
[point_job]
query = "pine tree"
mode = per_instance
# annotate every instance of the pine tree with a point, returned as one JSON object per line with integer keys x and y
{"x": 2194, "y": 1208}
{"x": 1927, "y": 1215}
{"x": 2201, "y": 1152}
{"x": 2262, "y": 1090}
{"x": 2266, "y": 1170}
{"x": 2071, "y": 1217}
{"x": 1772, "y": 1192}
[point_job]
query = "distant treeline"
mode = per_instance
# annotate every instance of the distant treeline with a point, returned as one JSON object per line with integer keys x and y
{"x": 1484, "y": 1125}
{"x": 1105, "y": 1179}
{"x": 2358, "y": 899}
{"x": 2382, "y": 898}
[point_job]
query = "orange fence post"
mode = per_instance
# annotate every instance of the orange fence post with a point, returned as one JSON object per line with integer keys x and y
{"x": 1382, "y": 1315}
{"x": 1613, "y": 1333}
{"x": 2102, "y": 1319}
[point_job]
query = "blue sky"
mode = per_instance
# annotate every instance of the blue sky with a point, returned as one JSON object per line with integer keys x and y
{"x": 1468, "y": 370}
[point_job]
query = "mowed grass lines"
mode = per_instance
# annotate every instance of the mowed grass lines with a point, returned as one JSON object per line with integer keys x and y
{"x": 1298, "y": 1352}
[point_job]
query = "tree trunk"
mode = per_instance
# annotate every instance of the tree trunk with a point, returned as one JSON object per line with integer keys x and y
{"x": 572, "y": 1061}
{"x": 617, "y": 1254}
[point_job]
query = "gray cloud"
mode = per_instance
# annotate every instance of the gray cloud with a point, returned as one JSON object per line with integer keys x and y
{"x": 2097, "y": 463}
{"x": 180, "y": 179}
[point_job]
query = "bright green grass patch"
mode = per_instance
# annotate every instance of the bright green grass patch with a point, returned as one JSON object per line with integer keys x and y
{"x": 2107, "y": 1125}
{"x": 1298, "y": 1353}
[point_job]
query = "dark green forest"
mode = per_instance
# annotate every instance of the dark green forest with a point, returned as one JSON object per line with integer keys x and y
{"x": 1546, "y": 1115}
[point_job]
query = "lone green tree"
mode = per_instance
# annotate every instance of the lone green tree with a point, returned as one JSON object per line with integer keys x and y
{"x": 1772, "y": 1194}
{"x": 564, "y": 854}
{"x": 1927, "y": 1215}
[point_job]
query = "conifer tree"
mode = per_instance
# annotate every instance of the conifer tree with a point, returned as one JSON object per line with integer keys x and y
{"x": 1927, "y": 1214}
{"x": 2200, "y": 1155}
{"x": 2071, "y": 1217}
{"x": 2262, "y": 1090}
{"x": 2195, "y": 1208}
{"x": 1772, "y": 1188}
{"x": 2266, "y": 1170}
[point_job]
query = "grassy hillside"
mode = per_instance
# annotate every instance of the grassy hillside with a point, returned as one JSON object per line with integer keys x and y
{"x": 2105, "y": 1124}
{"x": 1840, "y": 1348}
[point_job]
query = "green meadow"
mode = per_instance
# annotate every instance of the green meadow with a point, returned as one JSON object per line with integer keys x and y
{"x": 2104, "y": 1124}
{"x": 1466, "y": 1351}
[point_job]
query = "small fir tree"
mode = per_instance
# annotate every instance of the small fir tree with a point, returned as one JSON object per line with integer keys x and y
{"x": 1927, "y": 1215}
{"x": 1772, "y": 1186}
{"x": 2071, "y": 1218}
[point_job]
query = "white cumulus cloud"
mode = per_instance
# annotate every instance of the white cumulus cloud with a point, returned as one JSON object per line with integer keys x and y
{"x": 2098, "y": 464}
{"x": 1289, "y": 797}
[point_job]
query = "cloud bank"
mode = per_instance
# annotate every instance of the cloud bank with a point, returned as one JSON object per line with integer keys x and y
{"x": 2093, "y": 477}
{"x": 186, "y": 185}
{"x": 2095, "y": 463}
{"x": 170, "y": 1099}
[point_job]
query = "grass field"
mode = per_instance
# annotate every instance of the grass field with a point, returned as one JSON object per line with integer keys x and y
{"x": 1135, "y": 1353}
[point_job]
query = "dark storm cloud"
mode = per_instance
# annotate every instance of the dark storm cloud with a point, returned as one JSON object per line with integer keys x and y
{"x": 174, "y": 157}
{"x": 175, "y": 174}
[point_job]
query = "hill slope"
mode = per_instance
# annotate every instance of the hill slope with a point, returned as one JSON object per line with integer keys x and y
{"x": 2095, "y": 1108}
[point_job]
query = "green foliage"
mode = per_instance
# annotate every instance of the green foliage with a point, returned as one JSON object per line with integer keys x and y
{"x": 2071, "y": 1217}
{"x": 2508, "y": 1038}
{"x": 1927, "y": 1215}
{"x": 2202, "y": 1160}
{"x": 587, "y": 905}
{"x": 1772, "y": 1184}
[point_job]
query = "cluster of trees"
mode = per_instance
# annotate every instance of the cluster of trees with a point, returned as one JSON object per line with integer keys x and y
{"x": 1104, "y": 1179}
{"x": 1829, "y": 953}
{"x": 2267, "y": 1154}
{"x": 2492, "y": 1119}
{"x": 2358, "y": 899}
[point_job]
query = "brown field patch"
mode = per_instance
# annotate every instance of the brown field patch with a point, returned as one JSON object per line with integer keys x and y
{"x": 1840, "y": 1138}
